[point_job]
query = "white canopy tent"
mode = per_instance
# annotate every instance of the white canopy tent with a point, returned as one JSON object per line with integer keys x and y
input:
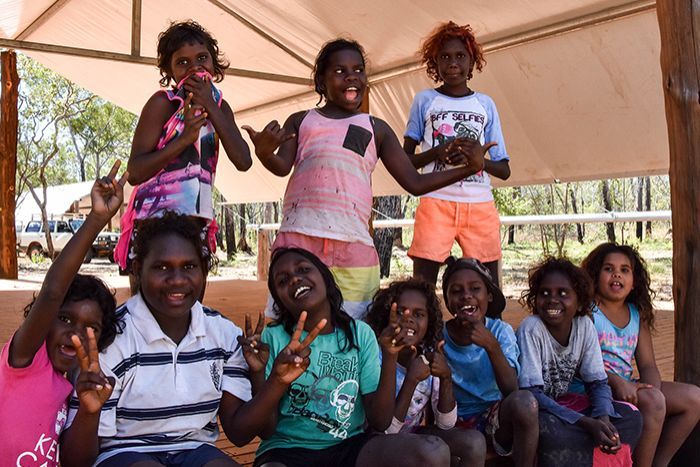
{"x": 577, "y": 82}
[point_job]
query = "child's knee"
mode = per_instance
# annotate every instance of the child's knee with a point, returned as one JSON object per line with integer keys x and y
{"x": 427, "y": 450}
{"x": 693, "y": 397}
{"x": 467, "y": 443}
{"x": 523, "y": 407}
{"x": 652, "y": 404}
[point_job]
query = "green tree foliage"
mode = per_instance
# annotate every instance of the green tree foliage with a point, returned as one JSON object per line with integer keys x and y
{"x": 99, "y": 136}
{"x": 66, "y": 133}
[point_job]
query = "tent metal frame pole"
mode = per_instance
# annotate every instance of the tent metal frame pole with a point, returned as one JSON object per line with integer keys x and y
{"x": 261, "y": 33}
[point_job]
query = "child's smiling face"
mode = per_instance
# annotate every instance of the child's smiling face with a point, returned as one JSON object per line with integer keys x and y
{"x": 171, "y": 277}
{"x": 616, "y": 278}
{"x": 299, "y": 284}
{"x": 412, "y": 307}
{"x": 556, "y": 300}
{"x": 344, "y": 79}
{"x": 467, "y": 296}
{"x": 190, "y": 58}
{"x": 73, "y": 318}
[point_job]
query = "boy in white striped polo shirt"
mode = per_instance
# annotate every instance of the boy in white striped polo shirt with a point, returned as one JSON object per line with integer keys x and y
{"x": 177, "y": 364}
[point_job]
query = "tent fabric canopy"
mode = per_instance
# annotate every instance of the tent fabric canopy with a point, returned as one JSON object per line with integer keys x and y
{"x": 577, "y": 82}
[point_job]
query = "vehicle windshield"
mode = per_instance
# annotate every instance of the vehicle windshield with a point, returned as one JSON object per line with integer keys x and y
{"x": 76, "y": 223}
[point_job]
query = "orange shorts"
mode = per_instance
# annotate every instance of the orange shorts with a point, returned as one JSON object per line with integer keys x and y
{"x": 475, "y": 226}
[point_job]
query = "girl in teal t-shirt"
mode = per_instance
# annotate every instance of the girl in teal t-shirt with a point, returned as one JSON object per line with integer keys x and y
{"x": 325, "y": 394}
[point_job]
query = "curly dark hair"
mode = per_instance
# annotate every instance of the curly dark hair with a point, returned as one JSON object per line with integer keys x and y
{"x": 378, "y": 314}
{"x": 580, "y": 282}
{"x": 187, "y": 32}
{"x": 85, "y": 287}
{"x": 444, "y": 32}
{"x": 642, "y": 294}
{"x": 321, "y": 63}
{"x": 339, "y": 318}
{"x": 189, "y": 228}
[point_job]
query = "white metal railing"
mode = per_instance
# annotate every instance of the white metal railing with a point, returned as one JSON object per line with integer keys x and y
{"x": 634, "y": 216}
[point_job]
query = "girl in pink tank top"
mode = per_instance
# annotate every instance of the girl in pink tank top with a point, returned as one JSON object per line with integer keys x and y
{"x": 333, "y": 150}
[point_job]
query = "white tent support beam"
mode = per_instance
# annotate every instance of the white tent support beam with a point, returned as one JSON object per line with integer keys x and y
{"x": 633, "y": 216}
{"x": 136, "y": 28}
{"x": 261, "y": 33}
{"x": 119, "y": 57}
{"x": 501, "y": 43}
{"x": 42, "y": 19}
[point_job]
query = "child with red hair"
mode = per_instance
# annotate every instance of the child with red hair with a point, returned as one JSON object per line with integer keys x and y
{"x": 445, "y": 121}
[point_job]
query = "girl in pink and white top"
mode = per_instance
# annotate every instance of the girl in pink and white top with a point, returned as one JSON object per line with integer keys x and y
{"x": 176, "y": 144}
{"x": 333, "y": 150}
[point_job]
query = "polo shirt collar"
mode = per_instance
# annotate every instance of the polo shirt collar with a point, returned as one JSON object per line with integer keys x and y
{"x": 149, "y": 328}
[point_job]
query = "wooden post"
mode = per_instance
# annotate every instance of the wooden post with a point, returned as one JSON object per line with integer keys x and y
{"x": 263, "y": 254}
{"x": 679, "y": 22}
{"x": 679, "y": 25}
{"x": 8, "y": 163}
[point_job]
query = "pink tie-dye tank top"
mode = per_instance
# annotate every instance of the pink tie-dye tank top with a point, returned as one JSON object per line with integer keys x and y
{"x": 329, "y": 194}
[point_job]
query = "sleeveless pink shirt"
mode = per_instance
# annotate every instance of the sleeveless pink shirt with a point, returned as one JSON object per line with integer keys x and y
{"x": 329, "y": 194}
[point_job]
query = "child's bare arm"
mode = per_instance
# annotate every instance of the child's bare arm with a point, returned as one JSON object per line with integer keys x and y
{"x": 258, "y": 416}
{"x": 236, "y": 148}
{"x": 107, "y": 196}
{"x": 415, "y": 373}
{"x": 499, "y": 169}
{"x": 145, "y": 160}
{"x": 379, "y": 405}
{"x": 644, "y": 355}
{"x": 440, "y": 369}
{"x": 80, "y": 442}
{"x": 272, "y": 138}
{"x": 506, "y": 376}
{"x": 400, "y": 167}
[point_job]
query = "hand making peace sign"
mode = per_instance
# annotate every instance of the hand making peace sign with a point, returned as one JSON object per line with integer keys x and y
{"x": 255, "y": 352}
{"x": 293, "y": 360}
{"x": 92, "y": 386}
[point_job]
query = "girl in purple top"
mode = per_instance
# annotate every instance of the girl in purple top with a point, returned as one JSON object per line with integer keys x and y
{"x": 624, "y": 318}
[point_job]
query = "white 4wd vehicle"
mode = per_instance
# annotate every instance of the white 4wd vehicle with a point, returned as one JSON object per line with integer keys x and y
{"x": 32, "y": 239}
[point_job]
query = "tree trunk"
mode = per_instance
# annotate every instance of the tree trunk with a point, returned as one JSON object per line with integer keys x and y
{"x": 230, "y": 232}
{"x": 647, "y": 202}
{"x": 640, "y": 199}
{"x": 388, "y": 207}
{"x": 243, "y": 232}
{"x": 8, "y": 163}
{"x": 679, "y": 26}
{"x": 219, "y": 219}
{"x": 607, "y": 204}
{"x": 579, "y": 227}
{"x": 400, "y": 214}
{"x": 511, "y": 228}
